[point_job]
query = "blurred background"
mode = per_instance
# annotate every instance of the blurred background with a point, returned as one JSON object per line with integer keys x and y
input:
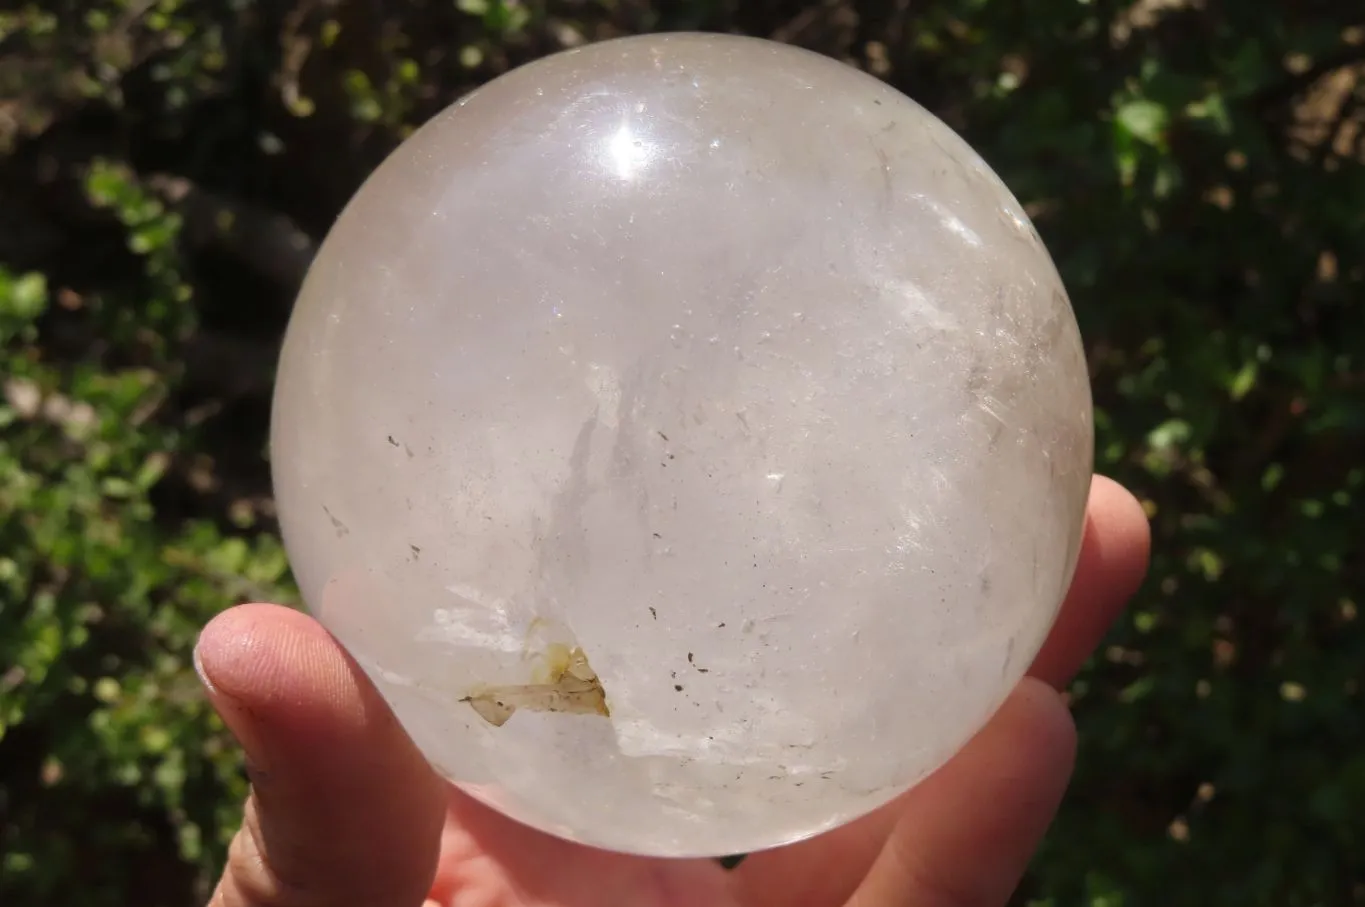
{"x": 168, "y": 167}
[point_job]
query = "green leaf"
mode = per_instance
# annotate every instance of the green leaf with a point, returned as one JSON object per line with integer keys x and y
{"x": 1143, "y": 120}
{"x": 1244, "y": 380}
{"x": 1169, "y": 435}
{"x": 27, "y": 297}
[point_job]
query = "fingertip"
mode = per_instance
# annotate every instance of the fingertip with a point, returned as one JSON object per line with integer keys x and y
{"x": 237, "y": 652}
{"x": 286, "y": 669}
{"x": 1040, "y": 716}
{"x": 1115, "y": 550}
{"x": 1030, "y": 739}
{"x": 1120, "y": 531}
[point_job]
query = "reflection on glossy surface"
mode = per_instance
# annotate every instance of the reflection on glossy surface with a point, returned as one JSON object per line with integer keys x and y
{"x": 628, "y": 154}
{"x": 724, "y": 365}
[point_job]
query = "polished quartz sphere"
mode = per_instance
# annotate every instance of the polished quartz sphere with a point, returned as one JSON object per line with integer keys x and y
{"x": 690, "y": 435}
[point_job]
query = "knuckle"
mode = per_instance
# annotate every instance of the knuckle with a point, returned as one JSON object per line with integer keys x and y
{"x": 261, "y": 873}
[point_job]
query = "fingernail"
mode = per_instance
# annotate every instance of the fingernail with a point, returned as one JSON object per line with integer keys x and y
{"x": 238, "y": 719}
{"x": 203, "y": 675}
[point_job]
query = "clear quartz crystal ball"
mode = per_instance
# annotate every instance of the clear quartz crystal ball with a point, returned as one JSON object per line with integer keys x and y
{"x": 690, "y": 435}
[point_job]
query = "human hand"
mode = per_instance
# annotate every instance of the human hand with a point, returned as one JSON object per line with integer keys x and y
{"x": 345, "y": 812}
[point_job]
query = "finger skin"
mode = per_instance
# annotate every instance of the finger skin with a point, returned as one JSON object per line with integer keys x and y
{"x": 1115, "y": 551}
{"x": 486, "y": 855}
{"x": 344, "y": 810}
{"x": 1115, "y": 548}
{"x": 361, "y": 825}
{"x": 965, "y": 836}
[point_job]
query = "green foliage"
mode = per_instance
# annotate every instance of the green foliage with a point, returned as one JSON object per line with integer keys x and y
{"x": 100, "y": 600}
{"x": 1196, "y": 169}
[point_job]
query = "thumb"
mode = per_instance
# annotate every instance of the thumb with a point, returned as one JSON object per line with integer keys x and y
{"x": 344, "y": 810}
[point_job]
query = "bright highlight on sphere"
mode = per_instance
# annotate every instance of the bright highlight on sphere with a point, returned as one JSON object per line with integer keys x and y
{"x": 691, "y": 436}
